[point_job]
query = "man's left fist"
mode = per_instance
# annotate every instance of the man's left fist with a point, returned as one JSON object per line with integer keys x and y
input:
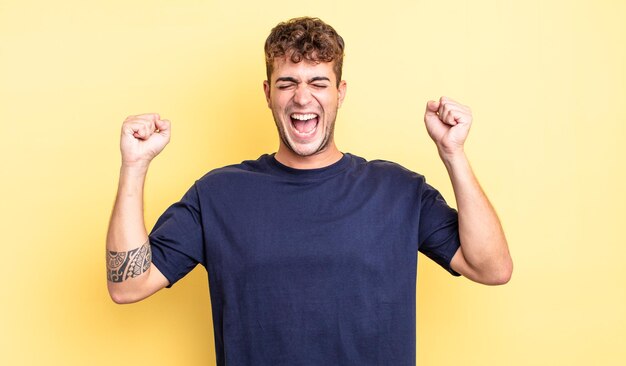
{"x": 448, "y": 122}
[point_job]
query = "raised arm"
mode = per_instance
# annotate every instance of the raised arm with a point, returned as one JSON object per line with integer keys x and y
{"x": 131, "y": 276}
{"x": 484, "y": 254}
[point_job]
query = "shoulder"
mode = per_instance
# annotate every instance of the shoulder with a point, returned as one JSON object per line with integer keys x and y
{"x": 231, "y": 173}
{"x": 385, "y": 169}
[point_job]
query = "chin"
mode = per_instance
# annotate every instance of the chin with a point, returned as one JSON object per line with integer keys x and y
{"x": 306, "y": 148}
{"x": 304, "y": 151}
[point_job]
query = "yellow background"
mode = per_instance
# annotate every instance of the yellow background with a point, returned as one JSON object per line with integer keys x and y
{"x": 546, "y": 81}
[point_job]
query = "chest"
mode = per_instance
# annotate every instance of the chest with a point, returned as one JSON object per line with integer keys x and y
{"x": 310, "y": 235}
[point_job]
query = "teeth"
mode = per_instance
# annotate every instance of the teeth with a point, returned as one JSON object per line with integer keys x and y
{"x": 303, "y": 117}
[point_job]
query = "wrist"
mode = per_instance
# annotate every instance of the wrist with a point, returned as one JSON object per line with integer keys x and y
{"x": 138, "y": 169}
{"x": 459, "y": 169}
{"x": 450, "y": 158}
{"x": 137, "y": 165}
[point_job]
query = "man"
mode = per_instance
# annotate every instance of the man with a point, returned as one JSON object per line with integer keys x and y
{"x": 311, "y": 253}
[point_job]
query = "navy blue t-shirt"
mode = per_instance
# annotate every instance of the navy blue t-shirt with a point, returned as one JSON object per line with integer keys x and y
{"x": 309, "y": 267}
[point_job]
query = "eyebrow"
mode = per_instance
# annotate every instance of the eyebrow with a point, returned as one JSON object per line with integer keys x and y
{"x": 287, "y": 78}
{"x": 293, "y": 80}
{"x": 319, "y": 78}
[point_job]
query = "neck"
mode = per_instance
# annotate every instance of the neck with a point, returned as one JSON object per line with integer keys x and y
{"x": 322, "y": 159}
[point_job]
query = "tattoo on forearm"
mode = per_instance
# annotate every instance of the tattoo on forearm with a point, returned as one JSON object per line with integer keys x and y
{"x": 124, "y": 265}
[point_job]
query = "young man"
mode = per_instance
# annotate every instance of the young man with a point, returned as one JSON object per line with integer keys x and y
{"x": 311, "y": 253}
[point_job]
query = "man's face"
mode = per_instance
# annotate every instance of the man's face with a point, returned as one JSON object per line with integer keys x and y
{"x": 304, "y": 99}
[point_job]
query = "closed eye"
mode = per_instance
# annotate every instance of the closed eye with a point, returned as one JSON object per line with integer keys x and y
{"x": 285, "y": 86}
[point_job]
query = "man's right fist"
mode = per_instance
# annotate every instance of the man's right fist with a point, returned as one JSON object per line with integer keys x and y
{"x": 143, "y": 138}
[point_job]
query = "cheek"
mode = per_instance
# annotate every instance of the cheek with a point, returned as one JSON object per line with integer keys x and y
{"x": 327, "y": 99}
{"x": 329, "y": 105}
{"x": 280, "y": 101}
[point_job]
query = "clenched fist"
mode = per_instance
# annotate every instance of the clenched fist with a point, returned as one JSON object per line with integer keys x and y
{"x": 448, "y": 122}
{"x": 143, "y": 138}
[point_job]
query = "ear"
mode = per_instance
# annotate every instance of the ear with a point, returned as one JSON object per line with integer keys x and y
{"x": 342, "y": 89}
{"x": 266, "y": 90}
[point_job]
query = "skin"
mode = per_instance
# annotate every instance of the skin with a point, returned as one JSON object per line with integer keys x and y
{"x": 142, "y": 138}
{"x": 308, "y": 87}
{"x": 484, "y": 254}
{"x": 305, "y": 87}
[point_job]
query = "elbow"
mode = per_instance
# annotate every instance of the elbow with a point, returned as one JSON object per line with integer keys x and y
{"x": 501, "y": 280}
{"x": 502, "y": 275}
{"x": 118, "y": 300}
{"x": 492, "y": 273}
{"x": 120, "y": 297}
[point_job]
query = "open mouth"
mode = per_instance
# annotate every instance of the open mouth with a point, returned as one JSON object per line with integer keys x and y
{"x": 304, "y": 124}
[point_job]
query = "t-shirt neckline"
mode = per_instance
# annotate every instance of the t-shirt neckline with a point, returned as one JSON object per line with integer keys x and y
{"x": 316, "y": 173}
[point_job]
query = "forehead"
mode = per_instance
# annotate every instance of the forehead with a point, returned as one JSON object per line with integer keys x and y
{"x": 304, "y": 70}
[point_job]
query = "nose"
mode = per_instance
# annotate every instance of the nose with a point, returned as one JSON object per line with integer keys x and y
{"x": 302, "y": 95}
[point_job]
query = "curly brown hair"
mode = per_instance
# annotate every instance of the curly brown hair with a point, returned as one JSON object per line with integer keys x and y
{"x": 304, "y": 38}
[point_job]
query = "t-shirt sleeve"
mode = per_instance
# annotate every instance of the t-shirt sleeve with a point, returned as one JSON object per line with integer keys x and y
{"x": 438, "y": 228}
{"x": 177, "y": 238}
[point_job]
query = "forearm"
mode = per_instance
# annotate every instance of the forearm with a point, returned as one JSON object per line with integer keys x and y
{"x": 483, "y": 243}
{"x": 128, "y": 253}
{"x": 131, "y": 276}
{"x": 127, "y": 229}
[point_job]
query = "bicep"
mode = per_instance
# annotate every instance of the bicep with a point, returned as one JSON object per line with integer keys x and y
{"x": 460, "y": 265}
{"x": 137, "y": 288}
{"x": 156, "y": 280}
